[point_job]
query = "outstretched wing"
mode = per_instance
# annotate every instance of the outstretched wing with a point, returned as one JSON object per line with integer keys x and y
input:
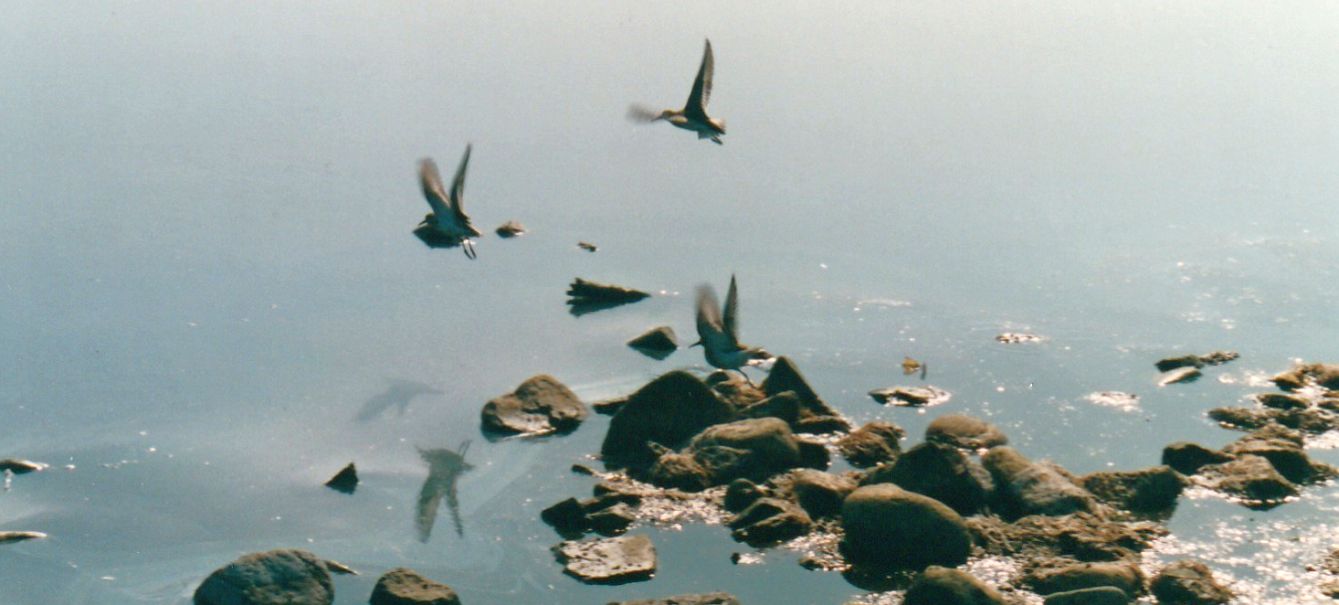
{"x": 701, "y": 94}
{"x": 431, "y": 181}
{"x": 458, "y": 186}
{"x": 731, "y": 322}
{"x": 710, "y": 327}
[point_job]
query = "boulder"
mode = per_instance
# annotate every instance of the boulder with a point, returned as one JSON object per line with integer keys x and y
{"x": 872, "y": 444}
{"x": 820, "y": 494}
{"x": 1152, "y": 490}
{"x": 961, "y": 430}
{"x": 1034, "y": 489}
{"x": 1123, "y": 576}
{"x": 567, "y": 516}
{"x": 1187, "y": 458}
{"x": 945, "y": 586}
{"x": 712, "y": 598}
{"x": 276, "y": 577}
{"x": 1280, "y": 401}
{"x": 1100, "y": 595}
{"x": 401, "y": 586}
{"x": 887, "y": 526}
{"x": 941, "y": 472}
{"x": 668, "y": 410}
{"x": 784, "y": 376}
{"x": 769, "y": 520}
{"x": 608, "y": 560}
{"x": 1323, "y": 374}
{"x": 767, "y": 445}
{"x": 784, "y": 406}
{"x": 1188, "y": 583}
{"x": 539, "y": 405}
{"x": 1251, "y": 478}
{"x": 1283, "y": 449}
{"x": 679, "y": 471}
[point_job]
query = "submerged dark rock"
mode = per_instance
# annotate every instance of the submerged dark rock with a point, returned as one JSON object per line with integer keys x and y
{"x": 403, "y": 586}
{"x": 657, "y": 342}
{"x": 872, "y": 444}
{"x": 1188, "y": 583}
{"x": 887, "y": 526}
{"x": 345, "y": 481}
{"x": 945, "y": 586}
{"x": 539, "y": 405}
{"x": 276, "y": 577}
{"x": 669, "y": 410}
{"x": 608, "y": 560}
{"x": 1076, "y": 537}
{"x": 1187, "y": 458}
{"x": 1014, "y": 338}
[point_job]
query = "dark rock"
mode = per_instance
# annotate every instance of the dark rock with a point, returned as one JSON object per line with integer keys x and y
{"x": 587, "y": 246}
{"x": 668, "y": 410}
{"x": 612, "y": 520}
{"x": 1331, "y": 562}
{"x": 741, "y": 493}
{"x": 1184, "y": 361}
{"x": 818, "y": 425}
{"x": 1034, "y": 489}
{"x": 1283, "y": 449}
{"x": 510, "y": 229}
{"x": 945, "y": 586}
{"x": 784, "y": 406}
{"x": 769, "y": 445}
{"x": 609, "y": 407}
{"x": 539, "y": 405}
{"x": 784, "y": 376}
{"x": 589, "y": 291}
{"x": 1242, "y": 418}
{"x": 1251, "y": 478}
{"x": 1218, "y": 358}
{"x": 607, "y": 499}
{"x": 1187, "y": 458}
{"x": 960, "y": 430}
{"x": 911, "y": 396}
{"x": 1188, "y": 583}
{"x": 656, "y": 342}
{"x": 1180, "y": 375}
{"x": 1280, "y": 401}
{"x": 568, "y": 517}
{"x": 820, "y": 494}
{"x": 723, "y": 464}
{"x": 888, "y": 526}
{"x": 769, "y": 520}
{"x": 713, "y": 598}
{"x": 1124, "y": 576}
{"x": 401, "y": 586}
{"x": 1099, "y": 595}
{"x": 608, "y": 560}
{"x": 276, "y": 577}
{"x": 345, "y": 481}
{"x": 814, "y": 454}
{"x": 941, "y": 472}
{"x": 1081, "y": 536}
{"x": 680, "y": 471}
{"x": 1147, "y": 491}
{"x": 734, "y": 389}
{"x": 1323, "y": 374}
{"x": 872, "y": 444}
{"x": 19, "y": 466}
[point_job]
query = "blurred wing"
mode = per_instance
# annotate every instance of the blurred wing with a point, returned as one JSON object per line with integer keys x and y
{"x": 431, "y": 181}
{"x": 701, "y": 94}
{"x": 642, "y": 114}
{"x": 709, "y": 325}
{"x": 458, "y": 186}
{"x": 731, "y": 322}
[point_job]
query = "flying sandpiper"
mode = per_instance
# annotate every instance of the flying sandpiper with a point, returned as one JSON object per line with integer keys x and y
{"x": 693, "y": 116}
{"x": 447, "y": 226}
{"x": 718, "y": 332}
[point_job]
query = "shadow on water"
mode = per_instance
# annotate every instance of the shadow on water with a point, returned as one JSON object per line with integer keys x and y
{"x": 444, "y": 467}
{"x": 397, "y": 395}
{"x": 578, "y": 307}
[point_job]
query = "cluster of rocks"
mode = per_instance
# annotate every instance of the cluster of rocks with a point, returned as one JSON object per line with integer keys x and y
{"x": 1186, "y": 368}
{"x": 1261, "y": 470}
{"x": 1309, "y": 403}
{"x": 289, "y": 576}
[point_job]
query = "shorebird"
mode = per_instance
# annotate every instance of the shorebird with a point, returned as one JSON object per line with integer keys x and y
{"x": 447, "y": 226}
{"x": 693, "y": 116}
{"x": 718, "y": 332}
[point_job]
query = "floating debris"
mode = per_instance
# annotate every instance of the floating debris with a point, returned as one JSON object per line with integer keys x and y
{"x": 911, "y": 396}
{"x": 345, "y": 481}
{"x": 1014, "y": 338}
{"x": 9, "y": 537}
{"x": 587, "y": 246}
{"x": 1125, "y": 402}
{"x": 510, "y": 229}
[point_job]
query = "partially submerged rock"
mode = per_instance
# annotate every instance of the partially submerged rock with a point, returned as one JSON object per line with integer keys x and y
{"x": 276, "y": 577}
{"x": 815, "y": 413}
{"x": 403, "y": 586}
{"x": 911, "y": 396}
{"x": 1322, "y": 374}
{"x": 946, "y": 586}
{"x": 510, "y": 229}
{"x": 345, "y": 481}
{"x": 770, "y": 520}
{"x": 538, "y": 406}
{"x": 19, "y": 466}
{"x": 872, "y": 444}
{"x": 1262, "y": 469}
{"x": 1196, "y": 361}
{"x": 1180, "y": 375}
{"x": 1014, "y": 338}
{"x": 887, "y": 526}
{"x": 1123, "y": 576}
{"x": 941, "y": 472}
{"x": 657, "y": 342}
{"x": 589, "y": 291}
{"x": 10, "y": 537}
{"x": 608, "y": 560}
{"x": 1188, "y": 583}
{"x": 1188, "y": 458}
{"x": 1152, "y": 490}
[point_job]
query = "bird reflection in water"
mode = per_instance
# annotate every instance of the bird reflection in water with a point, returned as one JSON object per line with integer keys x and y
{"x": 444, "y": 467}
{"x": 397, "y": 395}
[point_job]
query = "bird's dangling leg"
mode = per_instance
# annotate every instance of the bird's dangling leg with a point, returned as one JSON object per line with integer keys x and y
{"x": 717, "y": 140}
{"x": 746, "y": 377}
{"x": 469, "y": 248}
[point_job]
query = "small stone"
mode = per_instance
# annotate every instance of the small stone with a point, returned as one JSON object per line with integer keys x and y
{"x": 587, "y": 246}
{"x": 539, "y": 405}
{"x": 345, "y": 481}
{"x": 1180, "y": 375}
{"x": 1188, "y": 583}
{"x": 911, "y": 396}
{"x": 276, "y": 577}
{"x": 403, "y": 586}
{"x": 769, "y": 520}
{"x": 872, "y": 444}
{"x": 510, "y": 229}
{"x": 613, "y": 520}
{"x": 608, "y": 560}
{"x": 657, "y": 342}
{"x": 1015, "y": 338}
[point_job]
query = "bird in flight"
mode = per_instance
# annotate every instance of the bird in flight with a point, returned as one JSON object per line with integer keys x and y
{"x": 693, "y": 116}
{"x": 718, "y": 332}
{"x": 447, "y": 226}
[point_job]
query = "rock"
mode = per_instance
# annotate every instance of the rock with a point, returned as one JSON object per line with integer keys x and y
{"x": 657, "y": 342}
{"x": 1099, "y": 595}
{"x": 276, "y": 577}
{"x": 768, "y": 445}
{"x": 19, "y": 466}
{"x": 1323, "y": 374}
{"x": 1187, "y": 458}
{"x": 713, "y": 598}
{"x": 668, "y": 410}
{"x": 1218, "y": 358}
{"x": 1251, "y": 478}
{"x": 819, "y": 425}
{"x": 1080, "y": 536}
{"x": 769, "y": 520}
{"x": 886, "y": 525}
{"x": 589, "y": 291}
{"x": 784, "y": 376}
{"x": 1034, "y": 489}
{"x": 1125, "y": 402}
{"x": 1283, "y": 449}
{"x": 911, "y": 396}
{"x": 1188, "y": 583}
{"x": 735, "y": 389}
{"x": 963, "y": 431}
{"x": 740, "y": 494}
{"x": 1180, "y": 375}
{"x": 510, "y": 229}
{"x": 941, "y": 472}
{"x": 944, "y": 586}
{"x": 613, "y": 520}
{"x": 587, "y": 246}
{"x": 820, "y": 494}
{"x": 872, "y": 444}
{"x": 567, "y": 516}
{"x": 1280, "y": 401}
{"x": 345, "y": 481}
{"x": 1151, "y": 490}
{"x": 539, "y": 405}
{"x": 1184, "y": 361}
{"x": 609, "y": 407}
{"x": 1123, "y": 576}
{"x": 608, "y": 560}
{"x": 814, "y": 454}
{"x": 1015, "y": 338}
{"x": 784, "y": 406}
{"x": 679, "y": 471}
{"x": 10, "y": 537}
{"x": 402, "y": 586}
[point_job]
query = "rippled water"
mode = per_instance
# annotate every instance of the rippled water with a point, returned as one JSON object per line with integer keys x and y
{"x": 210, "y": 289}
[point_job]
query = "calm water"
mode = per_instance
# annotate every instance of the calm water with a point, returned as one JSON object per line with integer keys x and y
{"x": 208, "y": 276}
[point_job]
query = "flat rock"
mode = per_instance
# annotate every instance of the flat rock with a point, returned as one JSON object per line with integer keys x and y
{"x": 1188, "y": 458}
{"x": 1188, "y": 583}
{"x": 946, "y": 586}
{"x": 769, "y": 520}
{"x": 608, "y": 560}
{"x": 1152, "y": 490}
{"x": 590, "y": 291}
{"x": 887, "y": 526}
{"x": 711, "y": 598}
{"x": 539, "y": 405}
{"x": 911, "y": 396}
{"x": 276, "y": 577}
{"x": 668, "y": 410}
{"x": 1180, "y": 375}
{"x": 941, "y": 472}
{"x": 967, "y": 432}
{"x": 1123, "y": 576}
{"x": 403, "y": 586}
{"x": 658, "y": 342}
{"x": 1034, "y": 489}
{"x": 1252, "y": 479}
{"x": 872, "y": 444}
{"x": 1015, "y": 338}
{"x": 1314, "y": 420}
{"x": 1099, "y": 595}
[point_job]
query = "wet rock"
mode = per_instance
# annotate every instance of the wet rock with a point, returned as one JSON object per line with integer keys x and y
{"x": 1015, "y": 338}
{"x": 1030, "y": 488}
{"x": 1312, "y": 420}
{"x": 589, "y": 291}
{"x": 770, "y": 520}
{"x": 785, "y": 376}
{"x": 680, "y": 471}
{"x": 1251, "y": 478}
{"x": 784, "y": 406}
{"x": 539, "y": 405}
{"x": 872, "y": 444}
{"x": 1151, "y": 490}
{"x": 741, "y": 493}
{"x": 911, "y": 396}
{"x": 1081, "y": 537}
{"x": 1100, "y": 595}
{"x": 19, "y": 466}
{"x": 510, "y": 229}
{"x": 345, "y": 481}
{"x": 941, "y": 472}
{"x": 608, "y": 560}
{"x": 768, "y": 444}
{"x": 1196, "y": 361}
{"x": 814, "y": 454}
{"x": 567, "y": 516}
{"x": 1123, "y": 576}
{"x": 1323, "y": 374}
{"x": 609, "y": 407}
{"x": 1280, "y": 401}
{"x": 713, "y": 598}
{"x": 587, "y": 246}
{"x": 402, "y": 586}
{"x": 1180, "y": 375}
{"x": 1283, "y": 449}
{"x": 613, "y": 520}
{"x": 945, "y": 586}
{"x": 668, "y": 410}
{"x": 1187, "y": 458}
{"x": 276, "y": 577}
{"x": 734, "y": 389}
{"x": 1188, "y": 583}
{"x": 607, "y": 499}
{"x": 963, "y": 431}
{"x": 657, "y": 342}
{"x": 1218, "y": 358}
{"x": 10, "y": 537}
{"x": 888, "y": 526}
{"x": 820, "y": 494}
{"x": 819, "y": 425}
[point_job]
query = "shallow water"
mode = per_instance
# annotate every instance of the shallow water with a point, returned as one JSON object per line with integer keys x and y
{"x": 208, "y": 274}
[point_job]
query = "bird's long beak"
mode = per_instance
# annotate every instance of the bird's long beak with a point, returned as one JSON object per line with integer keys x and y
{"x": 696, "y": 344}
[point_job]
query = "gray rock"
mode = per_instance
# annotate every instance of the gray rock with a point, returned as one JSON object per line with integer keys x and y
{"x": 888, "y": 526}
{"x": 961, "y": 430}
{"x": 276, "y": 577}
{"x": 1034, "y": 489}
{"x": 1187, "y": 458}
{"x": 941, "y": 472}
{"x": 1174, "y": 363}
{"x": 872, "y": 444}
{"x": 1015, "y": 338}
{"x": 402, "y": 586}
{"x": 1100, "y": 595}
{"x": 539, "y": 405}
{"x": 1123, "y": 576}
{"x": 713, "y": 598}
{"x": 1188, "y": 583}
{"x": 657, "y": 342}
{"x": 608, "y": 560}
{"x": 668, "y": 410}
{"x": 1151, "y": 490}
{"x": 944, "y": 586}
